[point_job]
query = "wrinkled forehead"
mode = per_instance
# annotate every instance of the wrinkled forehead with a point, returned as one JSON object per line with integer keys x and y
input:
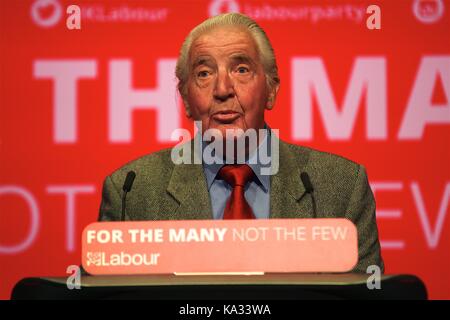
{"x": 231, "y": 41}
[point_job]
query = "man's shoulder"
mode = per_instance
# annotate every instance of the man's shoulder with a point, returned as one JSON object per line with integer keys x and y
{"x": 317, "y": 159}
{"x": 154, "y": 165}
{"x": 329, "y": 171}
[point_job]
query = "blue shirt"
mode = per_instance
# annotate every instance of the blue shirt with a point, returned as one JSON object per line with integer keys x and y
{"x": 257, "y": 191}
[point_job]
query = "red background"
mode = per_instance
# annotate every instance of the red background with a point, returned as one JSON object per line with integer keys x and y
{"x": 32, "y": 159}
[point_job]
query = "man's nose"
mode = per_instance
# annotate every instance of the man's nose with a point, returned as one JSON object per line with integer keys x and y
{"x": 224, "y": 88}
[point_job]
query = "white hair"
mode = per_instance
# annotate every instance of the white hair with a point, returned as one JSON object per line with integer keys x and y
{"x": 264, "y": 48}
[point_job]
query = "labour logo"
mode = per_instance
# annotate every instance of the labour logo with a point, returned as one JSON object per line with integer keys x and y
{"x": 428, "y": 11}
{"x": 46, "y": 13}
{"x": 217, "y": 7}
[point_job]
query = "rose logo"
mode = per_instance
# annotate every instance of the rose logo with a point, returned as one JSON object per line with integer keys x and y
{"x": 428, "y": 11}
{"x": 217, "y": 7}
{"x": 94, "y": 258}
{"x": 46, "y": 13}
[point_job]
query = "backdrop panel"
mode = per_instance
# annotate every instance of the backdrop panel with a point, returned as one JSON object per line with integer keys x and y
{"x": 77, "y": 104}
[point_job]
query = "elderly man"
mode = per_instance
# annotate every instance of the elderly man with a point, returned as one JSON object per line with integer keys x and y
{"x": 228, "y": 77}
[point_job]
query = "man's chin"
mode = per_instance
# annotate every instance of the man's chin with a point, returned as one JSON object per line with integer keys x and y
{"x": 230, "y": 130}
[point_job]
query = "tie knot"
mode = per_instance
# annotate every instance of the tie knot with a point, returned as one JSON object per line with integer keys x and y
{"x": 236, "y": 175}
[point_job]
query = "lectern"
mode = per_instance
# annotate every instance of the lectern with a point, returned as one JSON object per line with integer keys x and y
{"x": 286, "y": 286}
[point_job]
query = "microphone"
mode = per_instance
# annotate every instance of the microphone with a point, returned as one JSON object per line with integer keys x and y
{"x": 309, "y": 189}
{"x": 127, "y": 188}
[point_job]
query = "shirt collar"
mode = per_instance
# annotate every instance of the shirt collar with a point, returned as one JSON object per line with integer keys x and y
{"x": 211, "y": 170}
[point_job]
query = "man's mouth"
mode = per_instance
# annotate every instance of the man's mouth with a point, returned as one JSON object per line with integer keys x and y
{"x": 226, "y": 116}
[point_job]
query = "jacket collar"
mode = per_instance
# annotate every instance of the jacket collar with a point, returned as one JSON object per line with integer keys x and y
{"x": 189, "y": 188}
{"x": 287, "y": 192}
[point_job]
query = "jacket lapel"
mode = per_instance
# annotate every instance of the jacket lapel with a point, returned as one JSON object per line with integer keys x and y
{"x": 287, "y": 193}
{"x": 188, "y": 186}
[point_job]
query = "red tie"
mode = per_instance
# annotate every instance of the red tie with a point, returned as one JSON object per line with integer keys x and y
{"x": 237, "y": 176}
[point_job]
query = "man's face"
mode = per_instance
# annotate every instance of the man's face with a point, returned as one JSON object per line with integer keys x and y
{"x": 227, "y": 87}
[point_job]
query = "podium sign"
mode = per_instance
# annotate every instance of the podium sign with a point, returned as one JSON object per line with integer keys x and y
{"x": 220, "y": 246}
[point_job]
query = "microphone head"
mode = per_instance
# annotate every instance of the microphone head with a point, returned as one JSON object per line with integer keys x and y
{"x": 306, "y": 182}
{"x": 129, "y": 181}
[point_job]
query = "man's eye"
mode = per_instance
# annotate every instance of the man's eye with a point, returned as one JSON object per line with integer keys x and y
{"x": 242, "y": 70}
{"x": 203, "y": 74}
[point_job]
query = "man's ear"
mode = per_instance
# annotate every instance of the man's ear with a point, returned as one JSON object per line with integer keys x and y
{"x": 187, "y": 109}
{"x": 272, "y": 96}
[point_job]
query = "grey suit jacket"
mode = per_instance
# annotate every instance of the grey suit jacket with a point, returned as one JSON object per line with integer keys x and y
{"x": 165, "y": 191}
